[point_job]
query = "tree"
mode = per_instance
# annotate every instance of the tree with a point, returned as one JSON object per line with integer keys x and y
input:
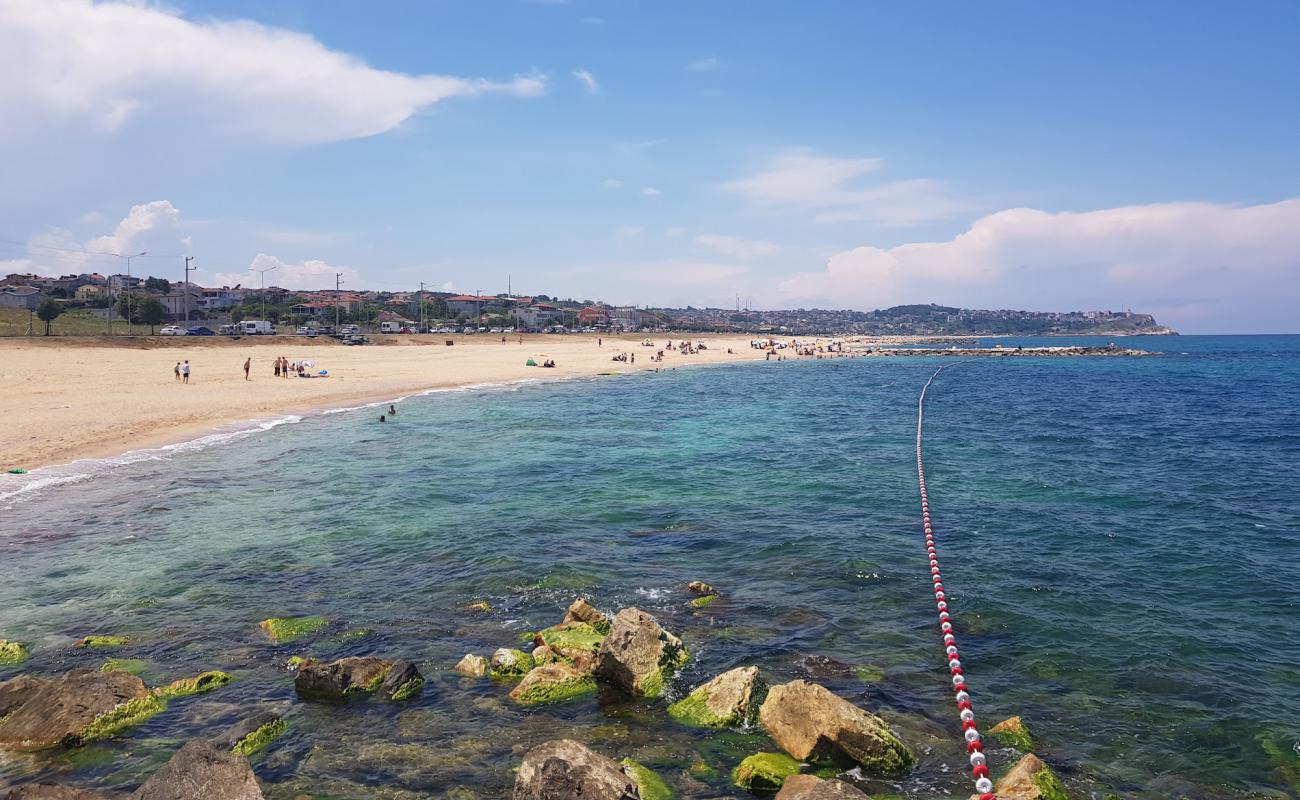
{"x": 48, "y": 311}
{"x": 150, "y": 311}
{"x": 160, "y": 285}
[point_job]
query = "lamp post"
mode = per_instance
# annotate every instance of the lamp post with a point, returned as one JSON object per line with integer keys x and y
{"x": 262, "y": 272}
{"x": 128, "y": 290}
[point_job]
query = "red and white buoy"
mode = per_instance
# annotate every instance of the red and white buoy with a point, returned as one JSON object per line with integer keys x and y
{"x": 966, "y": 712}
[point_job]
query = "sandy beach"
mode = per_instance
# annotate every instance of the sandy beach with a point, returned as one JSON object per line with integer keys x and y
{"x": 65, "y": 399}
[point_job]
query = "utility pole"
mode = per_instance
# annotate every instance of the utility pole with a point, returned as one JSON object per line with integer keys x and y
{"x": 422, "y": 307}
{"x": 262, "y": 272}
{"x": 478, "y": 306}
{"x": 185, "y": 288}
{"x": 128, "y": 289}
{"x": 338, "y": 281}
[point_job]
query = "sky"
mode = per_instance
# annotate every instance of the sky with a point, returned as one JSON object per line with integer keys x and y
{"x": 1045, "y": 156}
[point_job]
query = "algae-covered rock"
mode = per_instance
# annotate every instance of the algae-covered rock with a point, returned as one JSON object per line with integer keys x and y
{"x": 582, "y": 611}
{"x": 545, "y": 655}
{"x": 648, "y": 783}
{"x": 731, "y": 698}
{"x": 1013, "y": 732}
{"x": 109, "y": 724}
{"x": 12, "y": 653}
{"x": 54, "y": 791}
{"x": 563, "y": 768}
{"x": 699, "y": 587}
{"x": 202, "y": 771}
{"x": 869, "y": 673}
{"x": 255, "y": 733}
{"x": 813, "y": 724}
{"x": 286, "y": 629}
{"x": 472, "y": 666}
{"x": 704, "y": 601}
{"x": 571, "y": 640}
{"x": 103, "y": 642}
{"x": 1030, "y": 779}
{"x": 336, "y": 679}
{"x": 200, "y": 684}
{"x": 552, "y": 683}
{"x": 43, "y": 712}
{"x": 811, "y": 787}
{"x": 509, "y": 663}
{"x": 134, "y": 666}
{"x": 402, "y": 681}
{"x": 764, "y": 772}
{"x": 637, "y": 655}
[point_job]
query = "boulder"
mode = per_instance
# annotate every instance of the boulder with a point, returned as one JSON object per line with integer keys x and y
{"x": 582, "y": 611}
{"x": 637, "y": 655}
{"x": 202, "y": 771}
{"x": 252, "y": 733}
{"x": 564, "y": 769}
{"x": 402, "y": 681}
{"x": 1030, "y": 779}
{"x": 347, "y": 676}
{"x": 699, "y": 587}
{"x": 1013, "y": 732}
{"x": 472, "y": 666}
{"x": 731, "y": 698}
{"x": 53, "y": 791}
{"x": 764, "y": 772}
{"x": 570, "y": 639}
{"x": 103, "y": 642}
{"x": 545, "y": 655}
{"x": 508, "y": 663}
{"x": 552, "y": 683}
{"x": 648, "y": 783}
{"x": 44, "y": 712}
{"x": 813, "y": 724}
{"x": 202, "y": 683}
{"x": 810, "y": 787}
{"x": 12, "y": 652}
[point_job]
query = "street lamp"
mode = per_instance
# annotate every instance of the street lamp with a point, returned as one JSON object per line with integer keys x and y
{"x": 128, "y": 291}
{"x": 262, "y": 273}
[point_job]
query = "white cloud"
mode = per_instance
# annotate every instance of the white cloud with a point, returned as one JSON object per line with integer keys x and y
{"x": 155, "y": 227}
{"x": 306, "y": 275}
{"x": 1234, "y": 267}
{"x": 109, "y": 63}
{"x": 736, "y": 246}
{"x": 611, "y": 183}
{"x": 587, "y": 80}
{"x": 650, "y": 191}
{"x": 833, "y": 190}
{"x": 704, "y": 64}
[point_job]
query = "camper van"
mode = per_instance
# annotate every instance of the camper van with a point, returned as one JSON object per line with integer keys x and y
{"x": 256, "y": 327}
{"x": 390, "y": 327}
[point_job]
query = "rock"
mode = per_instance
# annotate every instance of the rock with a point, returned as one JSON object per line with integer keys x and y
{"x": 648, "y": 783}
{"x": 1013, "y": 732}
{"x": 545, "y": 655}
{"x": 12, "y": 653}
{"x": 699, "y": 587}
{"x": 637, "y": 654}
{"x": 480, "y": 605}
{"x": 552, "y": 683}
{"x": 703, "y": 602}
{"x": 402, "y": 681}
{"x": 53, "y": 791}
{"x": 564, "y": 769}
{"x": 103, "y": 642}
{"x": 135, "y": 666}
{"x": 472, "y": 666}
{"x": 571, "y": 639}
{"x": 286, "y": 629}
{"x": 252, "y": 734}
{"x": 200, "y": 684}
{"x": 201, "y": 771}
{"x": 508, "y": 663}
{"x": 813, "y": 724}
{"x": 764, "y": 772}
{"x": 1030, "y": 779}
{"x": 347, "y": 676}
{"x": 46, "y": 711}
{"x": 582, "y": 611}
{"x": 731, "y": 698}
{"x": 810, "y": 787}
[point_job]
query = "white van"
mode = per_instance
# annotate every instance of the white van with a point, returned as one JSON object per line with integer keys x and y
{"x": 390, "y": 327}
{"x": 256, "y": 327}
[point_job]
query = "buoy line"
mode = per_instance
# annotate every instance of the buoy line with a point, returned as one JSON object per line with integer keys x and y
{"x": 966, "y": 711}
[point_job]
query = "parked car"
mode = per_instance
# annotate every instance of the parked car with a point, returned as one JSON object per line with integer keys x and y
{"x": 256, "y": 327}
{"x": 390, "y": 327}
{"x": 468, "y": 329}
{"x": 349, "y": 329}
{"x": 199, "y": 330}
{"x": 171, "y": 330}
{"x": 229, "y": 330}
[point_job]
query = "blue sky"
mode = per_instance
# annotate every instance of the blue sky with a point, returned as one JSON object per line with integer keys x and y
{"x": 1025, "y": 155}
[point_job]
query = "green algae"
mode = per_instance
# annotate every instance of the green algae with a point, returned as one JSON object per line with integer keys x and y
{"x": 702, "y": 770}
{"x": 295, "y": 662}
{"x": 693, "y": 710}
{"x": 133, "y": 666}
{"x": 869, "y": 673}
{"x": 368, "y": 688}
{"x": 199, "y": 684}
{"x": 764, "y": 772}
{"x": 98, "y": 642}
{"x": 480, "y": 605}
{"x": 1281, "y": 757}
{"x": 261, "y": 738}
{"x": 701, "y": 602}
{"x": 651, "y": 785}
{"x": 286, "y": 629}
{"x": 358, "y": 633}
{"x": 557, "y": 692}
{"x": 572, "y": 636}
{"x": 517, "y": 668}
{"x": 1013, "y": 733}
{"x": 1049, "y": 786}
{"x": 408, "y": 689}
{"x": 110, "y": 723}
{"x": 12, "y": 653}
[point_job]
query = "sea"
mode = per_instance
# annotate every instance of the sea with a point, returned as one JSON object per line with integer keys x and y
{"x": 1120, "y": 540}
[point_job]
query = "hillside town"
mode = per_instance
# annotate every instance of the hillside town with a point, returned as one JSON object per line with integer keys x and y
{"x": 184, "y": 308}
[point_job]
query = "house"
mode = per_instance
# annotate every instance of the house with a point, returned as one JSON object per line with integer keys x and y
{"x": 185, "y": 298}
{"x": 472, "y": 305}
{"x": 535, "y": 316}
{"x": 593, "y": 316}
{"x": 119, "y": 282}
{"x": 90, "y": 291}
{"x": 220, "y": 299}
{"x": 314, "y": 309}
{"x": 28, "y": 297}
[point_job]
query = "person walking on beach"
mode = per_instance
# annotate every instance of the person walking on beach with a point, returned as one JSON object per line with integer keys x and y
{"x": 277, "y": 368}
{"x": 185, "y": 371}
{"x": 248, "y": 364}
{"x": 177, "y": 371}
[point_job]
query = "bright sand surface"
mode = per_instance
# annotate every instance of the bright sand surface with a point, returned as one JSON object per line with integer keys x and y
{"x": 69, "y": 398}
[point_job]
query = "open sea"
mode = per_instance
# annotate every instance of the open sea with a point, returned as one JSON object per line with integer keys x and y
{"x": 1120, "y": 541}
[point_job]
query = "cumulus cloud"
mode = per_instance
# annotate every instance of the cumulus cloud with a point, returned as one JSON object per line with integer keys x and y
{"x": 155, "y": 227}
{"x": 304, "y": 275}
{"x": 1216, "y": 266}
{"x": 109, "y": 63}
{"x": 587, "y": 80}
{"x": 736, "y": 246}
{"x": 650, "y": 191}
{"x": 611, "y": 183}
{"x": 836, "y": 190}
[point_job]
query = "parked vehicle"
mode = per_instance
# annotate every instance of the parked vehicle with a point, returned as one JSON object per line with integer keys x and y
{"x": 355, "y": 339}
{"x": 468, "y": 329}
{"x": 346, "y": 330}
{"x": 390, "y": 327}
{"x": 256, "y": 327}
{"x": 171, "y": 330}
{"x": 229, "y": 330}
{"x": 199, "y": 330}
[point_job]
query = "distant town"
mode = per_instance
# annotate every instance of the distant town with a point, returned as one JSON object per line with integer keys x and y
{"x": 118, "y": 303}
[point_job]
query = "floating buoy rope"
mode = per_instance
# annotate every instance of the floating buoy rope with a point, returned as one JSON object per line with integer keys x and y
{"x": 966, "y": 711}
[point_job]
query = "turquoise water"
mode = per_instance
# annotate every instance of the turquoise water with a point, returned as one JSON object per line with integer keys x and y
{"x": 1121, "y": 544}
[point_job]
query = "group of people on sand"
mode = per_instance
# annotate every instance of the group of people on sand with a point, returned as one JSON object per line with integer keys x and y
{"x": 284, "y": 369}
{"x": 182, "y": 371}
{"x": 625, "y": 358}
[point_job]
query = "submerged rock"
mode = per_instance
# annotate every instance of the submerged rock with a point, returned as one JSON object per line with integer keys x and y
{"x": 135, "y": 666}
{"x": 286, "y": 629}
{"x": 571, "y": 640}
{"x": 552, "y": 683}
{"x": 705, "y": 601}
{"x": 1030, "y": 779}
{"x": 347, "y": 676}
{"x": 402, "y": 681}
{"x": 563, "y": 769}
{"x": 699, "y": 587}
{"x": 582, "y": 611}
{"x": 811, "y": 723}
{"x": 53, "y": 791}
{"x": 731, "y": 698}
{"x": 43, "y": 712}
{"x": 1013, "y": 732}
{"x": 200, "y": 684}
{"x": 810, "y": 787}
{"x": 202, "y": 771}
{"x": 637, "y": 655}
{"x": 12, "y": 653}
{"x": 509, "y": 663}
{"x": 101, "y": 642}
{"x": 252, "y": 734}
{"x": 764, "y": 772}
{"x": 648, "y": 783}
{"x": 472, "y": 666}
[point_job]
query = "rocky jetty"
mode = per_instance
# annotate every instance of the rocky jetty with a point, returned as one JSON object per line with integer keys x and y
{"x": 563, "y": 769}
{"x": 812, "y": 724}
{"x": 731, "y": 698}
{"x": 638, "y": 655}
{"x": 357, "y": 675}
